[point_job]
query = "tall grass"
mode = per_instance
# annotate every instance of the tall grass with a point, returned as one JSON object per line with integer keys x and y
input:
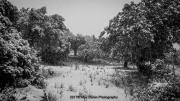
{"x": 50, "y": 96}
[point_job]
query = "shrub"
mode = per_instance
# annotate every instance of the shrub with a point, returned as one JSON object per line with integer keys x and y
{"x": 55, "y": 55}
{"x": 159, "y": 92}
{"x": 71, "y": 88}
{"x": 47, "y": 73}
{"x": 50, "y": 96}
{"x": 22, "y": 83}
{"x": 39, "y": 82}
{"x": 162, "y": 86}
{"x": 161, "y": 71}
{"x": 87, "y": 54}
{"x": 8, "y": 95}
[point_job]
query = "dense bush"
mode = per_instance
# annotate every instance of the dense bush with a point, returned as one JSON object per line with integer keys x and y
{"x": 161, "y": 72}
{"x": 159, "y": 92}
{"x": 162, "y": 85}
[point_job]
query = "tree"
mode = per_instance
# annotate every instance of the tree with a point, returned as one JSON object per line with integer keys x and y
{"x": 56, "y": 45}
{"x": 18, "y": 62}
{"x": 31, "y": 23}
{"x": 129, "y": 33}
{"x": 47, "y": 34}
{"x": 143, "y": 32}
{"x": 76, "y": 41}
{"x": 90, "y": 50}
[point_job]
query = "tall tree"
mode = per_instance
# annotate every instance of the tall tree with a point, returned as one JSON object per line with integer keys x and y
{"x": 45, "y": 33}
{"x": 145, "y": 31}
{"x": 18, "y": 62}
{"x": 129, "y": 33}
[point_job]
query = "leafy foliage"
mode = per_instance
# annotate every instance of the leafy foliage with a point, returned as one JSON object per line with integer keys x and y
{"x": 158, "y": 92}
{"x": 160, "y": 86}
{"x": 8, "y": 10}
{"x": 143, "y": 34}
{"x": 145, "y": 31}
{"x": 90, "y": 50}
{"x": 18, "y": 62}
{"x": 105, "y": 44}
{"x": 45, "y": 33}
{"x": 8, "y": 95}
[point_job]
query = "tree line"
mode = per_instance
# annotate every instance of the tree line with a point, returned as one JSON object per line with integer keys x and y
{"x": 29, "y": 37}
{"x": 141, "y": 34}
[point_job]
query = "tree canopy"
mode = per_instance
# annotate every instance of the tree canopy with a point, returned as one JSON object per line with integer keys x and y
{"x": 47, "y": 34}
{"x": 76, "y": 42}
{"x": 144, "y": 31}
{"x": 18, "y": 62}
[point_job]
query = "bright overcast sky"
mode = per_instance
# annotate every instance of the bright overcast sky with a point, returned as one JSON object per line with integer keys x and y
{"x": 87, "y": 17}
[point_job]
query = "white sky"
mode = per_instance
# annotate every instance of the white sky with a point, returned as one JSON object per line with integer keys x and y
{"x": 87, "y": 17}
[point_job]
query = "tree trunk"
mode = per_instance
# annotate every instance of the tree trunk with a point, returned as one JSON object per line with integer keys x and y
{"x": 85, "y": 58}
{"x": 139, "y": 67}
{"x": 75, "y": 52}
{"x": 125, "y": 64}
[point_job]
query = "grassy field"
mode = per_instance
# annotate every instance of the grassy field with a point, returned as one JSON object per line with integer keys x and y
{"x": 91, "y": 80}
{"x": 84, "y": 80}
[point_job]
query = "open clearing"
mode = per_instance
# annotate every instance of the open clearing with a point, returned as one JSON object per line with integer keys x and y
{"x": 84, "y": 80}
